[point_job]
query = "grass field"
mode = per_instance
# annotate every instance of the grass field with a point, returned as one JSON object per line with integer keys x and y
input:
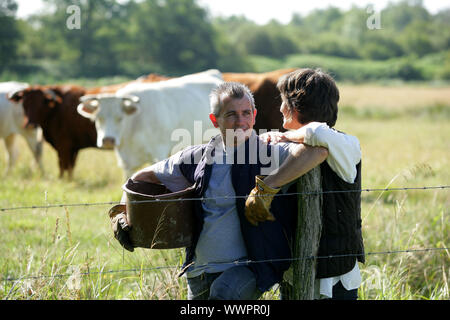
{"x": 70, "y": 253}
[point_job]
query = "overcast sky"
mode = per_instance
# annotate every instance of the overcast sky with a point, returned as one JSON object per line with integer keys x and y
{"x": 261, "y": 11}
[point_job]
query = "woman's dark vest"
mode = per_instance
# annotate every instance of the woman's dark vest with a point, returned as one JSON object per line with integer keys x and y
{"x": 269, "y": 240}
{"x": 341, "y": 224}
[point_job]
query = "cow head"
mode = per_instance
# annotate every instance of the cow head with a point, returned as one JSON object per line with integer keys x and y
{"x": 37, "y": 103}
{"x": 109, "y": 112}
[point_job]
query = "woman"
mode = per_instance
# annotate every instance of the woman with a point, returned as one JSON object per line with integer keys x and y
{"x": 309, "y": 108}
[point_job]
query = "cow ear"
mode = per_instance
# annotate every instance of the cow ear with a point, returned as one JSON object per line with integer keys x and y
{"x": 88, "y": 108}
{"x": 129, "y": 105}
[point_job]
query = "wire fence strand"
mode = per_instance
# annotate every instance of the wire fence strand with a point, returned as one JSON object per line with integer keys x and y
{"x": 243, "y": 262}
{"x": 62, "y": 205}
{"x": 234, "y": 263}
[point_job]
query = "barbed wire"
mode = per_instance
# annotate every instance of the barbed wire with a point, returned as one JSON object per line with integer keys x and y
{"x": 62, "y": 205}
{"x": 234, "y": 263}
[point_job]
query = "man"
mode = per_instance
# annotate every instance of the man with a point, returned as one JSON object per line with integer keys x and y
{"x": 309, "y": 109}
{"x": 223, "y": 172}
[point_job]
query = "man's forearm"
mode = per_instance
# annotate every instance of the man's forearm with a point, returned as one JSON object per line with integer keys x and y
{"x": 302, "y": 159}
{"x": 146, "y": 175}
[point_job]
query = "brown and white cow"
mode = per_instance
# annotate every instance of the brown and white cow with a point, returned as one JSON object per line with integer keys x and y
{"x": 54, "y": 109}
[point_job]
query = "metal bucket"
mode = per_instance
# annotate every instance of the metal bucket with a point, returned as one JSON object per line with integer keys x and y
{"x": 156, "y": 223}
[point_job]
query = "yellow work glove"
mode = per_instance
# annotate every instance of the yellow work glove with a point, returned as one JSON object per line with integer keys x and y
{"x": 257, "y": 205}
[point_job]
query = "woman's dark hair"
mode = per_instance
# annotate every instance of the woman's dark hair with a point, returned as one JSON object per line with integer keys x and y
{"x": 313, "y": 93}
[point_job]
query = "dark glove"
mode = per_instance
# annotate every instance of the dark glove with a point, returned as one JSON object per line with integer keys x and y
{"x": 120, "y": 226}
{"x": 257, "y": 205}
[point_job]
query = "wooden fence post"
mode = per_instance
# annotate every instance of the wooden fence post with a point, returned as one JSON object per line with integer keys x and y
{"x": 298, "y": 283}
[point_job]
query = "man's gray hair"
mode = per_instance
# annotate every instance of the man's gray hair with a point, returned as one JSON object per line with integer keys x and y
{"x": 234, "y": 90}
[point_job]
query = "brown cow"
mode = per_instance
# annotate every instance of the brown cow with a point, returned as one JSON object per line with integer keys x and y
{"x": 267, "y": 97}
{"x": 54, "y": 109}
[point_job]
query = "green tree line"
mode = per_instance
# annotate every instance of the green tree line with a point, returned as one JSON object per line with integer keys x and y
{"x": 174, "y": 37}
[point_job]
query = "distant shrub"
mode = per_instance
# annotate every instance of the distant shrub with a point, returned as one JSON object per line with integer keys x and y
{"x": 406, "y": 70}
{"x": 356, "y": 70}
{"x": 331, "y": 45}
{"x": 267, "y": 42}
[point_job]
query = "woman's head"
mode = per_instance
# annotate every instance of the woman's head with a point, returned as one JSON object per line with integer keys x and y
{"x": 309, "y": 95}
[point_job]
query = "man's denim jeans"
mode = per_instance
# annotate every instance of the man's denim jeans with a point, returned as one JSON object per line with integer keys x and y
{"x": 236, "y": 283}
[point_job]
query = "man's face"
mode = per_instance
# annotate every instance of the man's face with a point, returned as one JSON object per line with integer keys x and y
{"x": 236, "y": 119}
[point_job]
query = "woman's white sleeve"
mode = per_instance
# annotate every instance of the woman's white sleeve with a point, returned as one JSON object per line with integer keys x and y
{"x": 344, "y": 151}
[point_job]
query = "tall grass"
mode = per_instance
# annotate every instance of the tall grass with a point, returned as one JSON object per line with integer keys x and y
{"x": 70, "y": 253}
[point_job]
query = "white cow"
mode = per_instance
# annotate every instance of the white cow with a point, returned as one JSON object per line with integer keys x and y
{"x": 144, "y": 122}
{"x": 11, "y": 124}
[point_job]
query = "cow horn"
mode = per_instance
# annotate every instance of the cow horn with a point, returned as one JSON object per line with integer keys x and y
{"x": 88, "y": 97}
